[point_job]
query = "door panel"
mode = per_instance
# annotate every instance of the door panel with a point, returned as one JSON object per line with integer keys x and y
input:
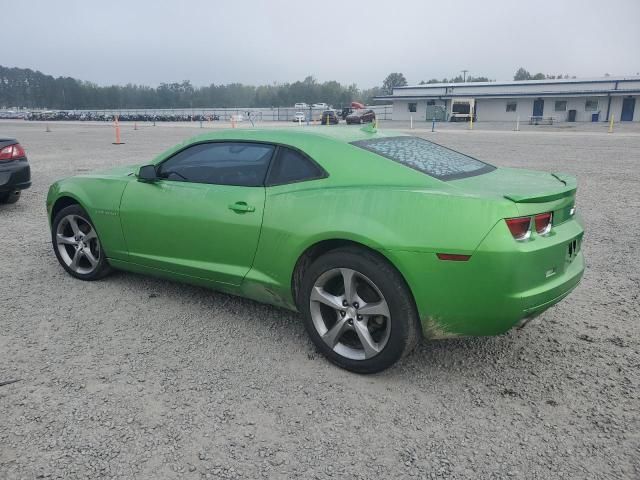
{"x": 203, "y": 230}
{"x": 538, "y": 107}
{"x": 628, "y": 107}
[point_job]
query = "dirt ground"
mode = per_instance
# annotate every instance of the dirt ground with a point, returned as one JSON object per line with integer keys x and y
{"x": 134, "y": 377}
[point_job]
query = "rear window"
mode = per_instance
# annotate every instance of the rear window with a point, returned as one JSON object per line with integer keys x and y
{"x": 426, "y": 157}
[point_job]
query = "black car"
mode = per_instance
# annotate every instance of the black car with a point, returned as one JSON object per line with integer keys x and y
{"x": 15, "y": 174}
{"x": 329, "y": 117}
{"x": 361, "y": 116}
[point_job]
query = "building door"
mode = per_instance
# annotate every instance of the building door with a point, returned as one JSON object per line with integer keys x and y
{"x": 538, "y": 107}
{"x": 628, "y": 107}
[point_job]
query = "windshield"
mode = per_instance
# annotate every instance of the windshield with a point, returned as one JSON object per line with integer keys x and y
{"x": 426, "y": 157}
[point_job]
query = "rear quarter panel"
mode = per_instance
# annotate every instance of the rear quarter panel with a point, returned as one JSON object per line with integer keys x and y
{"x": 385, "y": 218}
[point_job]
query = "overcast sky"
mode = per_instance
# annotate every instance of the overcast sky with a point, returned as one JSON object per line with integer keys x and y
{"x": 256, "y": 42}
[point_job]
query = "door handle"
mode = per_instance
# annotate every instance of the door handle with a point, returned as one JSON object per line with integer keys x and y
{"x": 241, "y": 207}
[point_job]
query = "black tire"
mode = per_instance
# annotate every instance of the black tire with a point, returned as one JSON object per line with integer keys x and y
{"x": 403, "y": 321}
{"x": 10, "y": 197}
{"x": 92, "y": 272}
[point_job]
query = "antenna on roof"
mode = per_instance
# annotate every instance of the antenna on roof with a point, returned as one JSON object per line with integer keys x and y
{"x": 370, "y": 127}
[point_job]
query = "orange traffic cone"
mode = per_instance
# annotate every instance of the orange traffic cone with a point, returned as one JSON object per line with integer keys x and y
{"x": 117, "y": 125}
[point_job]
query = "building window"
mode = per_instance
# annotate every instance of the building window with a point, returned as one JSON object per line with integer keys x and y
{"x": 413, "y": 106}
{"x": 591, "y": 105}
{"x": 512, "y": 106}
{"x": 561, "y": 106}
{"x": 431, "y": 102}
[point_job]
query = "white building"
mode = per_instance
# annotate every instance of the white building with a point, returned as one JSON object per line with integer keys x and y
{"x": 581, "y": 100}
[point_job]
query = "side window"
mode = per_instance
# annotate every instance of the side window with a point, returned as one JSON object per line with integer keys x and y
{"x": 291, "y": 166}
{"x": 220, "y": 163}
{"x": 561, "y": 106}
{"x": 413, "y": 106}
{"x": 591, "y": 105}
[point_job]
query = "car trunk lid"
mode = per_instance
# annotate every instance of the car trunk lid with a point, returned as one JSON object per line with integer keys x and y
{"x": 519, "y": 185}
{"x": 532, "y": 192}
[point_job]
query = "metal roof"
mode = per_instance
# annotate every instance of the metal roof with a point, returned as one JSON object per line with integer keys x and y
{"x": 529, "y": 88}
{"x": 557, "y": 81}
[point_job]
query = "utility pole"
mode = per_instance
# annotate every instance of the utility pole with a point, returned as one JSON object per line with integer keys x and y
{"x": 464, "y": 75}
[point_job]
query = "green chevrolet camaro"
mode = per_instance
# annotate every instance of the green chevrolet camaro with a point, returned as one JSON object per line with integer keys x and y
{"x": 376, "y": 239}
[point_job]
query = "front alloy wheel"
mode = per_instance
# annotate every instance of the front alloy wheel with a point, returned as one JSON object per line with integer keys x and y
{"x": 77, "y": 245}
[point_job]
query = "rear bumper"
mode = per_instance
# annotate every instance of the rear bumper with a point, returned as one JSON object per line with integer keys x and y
{"x": 14, "y": 175}
{"x": 502, "y": 283}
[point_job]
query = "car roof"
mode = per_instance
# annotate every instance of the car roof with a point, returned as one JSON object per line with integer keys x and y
{"x": 285, "y": 135}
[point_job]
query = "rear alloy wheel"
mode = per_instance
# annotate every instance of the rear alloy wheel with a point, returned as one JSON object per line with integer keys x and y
{"x": 351, "y": 326}
{"x": 358, "y": 310}
{"x": 77, "y": 245}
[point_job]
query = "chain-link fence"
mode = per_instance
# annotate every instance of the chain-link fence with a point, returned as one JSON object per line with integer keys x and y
{"x": 274, "y": 114}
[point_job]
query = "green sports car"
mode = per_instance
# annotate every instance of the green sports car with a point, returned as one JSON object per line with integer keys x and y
{"x": 377, "y": 239}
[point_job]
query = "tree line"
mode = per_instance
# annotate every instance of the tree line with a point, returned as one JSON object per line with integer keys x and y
{"x": 26, "y": 88}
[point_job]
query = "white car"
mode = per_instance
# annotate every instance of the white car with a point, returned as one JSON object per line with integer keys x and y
{"x": 300, "y": 106}
{"x": 320, "y": 106}
{"x": 299, "y": 117}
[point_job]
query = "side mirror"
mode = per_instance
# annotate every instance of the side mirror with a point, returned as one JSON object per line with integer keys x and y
{"x": 147, "y": 173}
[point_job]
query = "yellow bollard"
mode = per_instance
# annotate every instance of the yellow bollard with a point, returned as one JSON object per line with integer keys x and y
{"x": 611, "y": 124}
{"x": 471, "y": 118}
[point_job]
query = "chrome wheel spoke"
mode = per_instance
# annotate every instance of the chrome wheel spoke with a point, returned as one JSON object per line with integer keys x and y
{"x": 332, "y": 337}
{"x": 89, "y": 256}
{"x": 62, "y": 240}
{"x": 75, "y": 262}
{"x": 370, "y": 347}
{"x": 90, "y": 236}
{"x": 349, "y": 279}
{"x": 375, "y": 308}
{"x": 73, "y": 223}
{"x": 318, "y": 294}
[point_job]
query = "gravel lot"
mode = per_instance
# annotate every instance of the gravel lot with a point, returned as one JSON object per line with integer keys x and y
{"x": 134, "y": 377}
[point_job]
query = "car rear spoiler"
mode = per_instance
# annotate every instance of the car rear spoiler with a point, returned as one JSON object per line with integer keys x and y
{"x": 570, "y": 187}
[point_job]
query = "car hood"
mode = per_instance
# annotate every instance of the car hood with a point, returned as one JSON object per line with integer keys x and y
{"x": 124, "y": 171}
{"x": 519, "y": 185}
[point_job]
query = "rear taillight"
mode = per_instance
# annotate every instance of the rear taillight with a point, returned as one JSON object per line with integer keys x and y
{"x": 519, "y": 227}
{"x": 11, "y": 152}
{"x": 543, "y": 223}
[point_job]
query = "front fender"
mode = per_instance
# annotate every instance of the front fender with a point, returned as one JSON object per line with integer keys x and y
{"x": 100, "y": 197}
